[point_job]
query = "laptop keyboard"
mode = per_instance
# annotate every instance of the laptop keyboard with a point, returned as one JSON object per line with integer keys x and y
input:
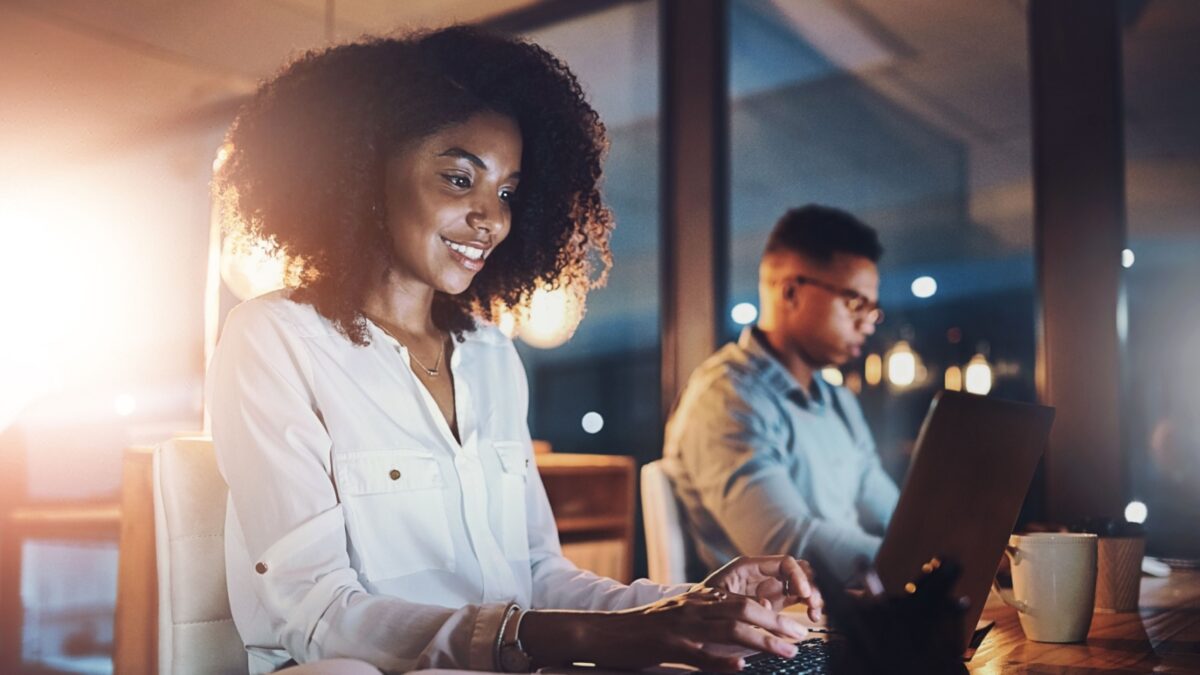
{"x": 812, "y": 657}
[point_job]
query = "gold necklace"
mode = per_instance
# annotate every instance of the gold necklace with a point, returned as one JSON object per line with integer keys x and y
{"x": 437, "y": 364}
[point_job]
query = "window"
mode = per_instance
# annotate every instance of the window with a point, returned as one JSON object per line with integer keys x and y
{"x": 600, "y": 391}
{"x": 921, "y": 129}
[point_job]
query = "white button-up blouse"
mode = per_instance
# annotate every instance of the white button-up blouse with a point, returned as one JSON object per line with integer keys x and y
{"x": 357, "y": 525}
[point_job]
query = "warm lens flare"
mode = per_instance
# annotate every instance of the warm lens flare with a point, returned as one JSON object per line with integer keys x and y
{"x": 902, "y": 365}
{"x": 954, "y": 378}
{"x": 250, "y": 268}
{"x": 67, "y": 274}
{"x": 546, "y": 319}
{"x": 833, "y": 376}
{"x": 978, "y": 379}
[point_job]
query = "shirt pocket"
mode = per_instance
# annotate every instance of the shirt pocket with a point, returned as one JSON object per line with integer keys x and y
{"x": 395, "y": 508}
{"x": 514, "y": 474}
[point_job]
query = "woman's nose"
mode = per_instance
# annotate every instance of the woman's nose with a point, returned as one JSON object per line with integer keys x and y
{"x": 485, "y": 219}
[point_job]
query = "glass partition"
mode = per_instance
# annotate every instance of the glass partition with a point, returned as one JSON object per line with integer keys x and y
{"x": 919, "y": 127}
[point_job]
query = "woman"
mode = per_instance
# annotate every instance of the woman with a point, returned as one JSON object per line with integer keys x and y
{"x": 383, "y": 502}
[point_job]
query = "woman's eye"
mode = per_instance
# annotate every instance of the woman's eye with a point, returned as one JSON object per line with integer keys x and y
{"x": 507, "y": 196}
{"x": 458, "y": 181}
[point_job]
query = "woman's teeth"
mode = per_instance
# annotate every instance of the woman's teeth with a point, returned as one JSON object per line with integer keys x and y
{"x": 469, "y": 251}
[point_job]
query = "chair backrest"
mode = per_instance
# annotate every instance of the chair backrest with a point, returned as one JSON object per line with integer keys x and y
{"x": 195, "y": 627}
{"x": 666, "y": 546}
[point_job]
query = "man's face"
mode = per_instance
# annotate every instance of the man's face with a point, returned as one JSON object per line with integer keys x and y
{"x": 817, "y": 314}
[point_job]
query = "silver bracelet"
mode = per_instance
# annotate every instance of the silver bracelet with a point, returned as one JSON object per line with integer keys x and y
{"x": 508, "y": 612}
{"x": 517, "y": 631}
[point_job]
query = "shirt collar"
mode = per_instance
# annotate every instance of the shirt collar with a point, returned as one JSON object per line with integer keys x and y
{"x": 778, "y": 378}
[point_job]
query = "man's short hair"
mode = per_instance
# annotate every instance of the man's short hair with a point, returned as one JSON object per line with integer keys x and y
{"x": 819, "y": 232}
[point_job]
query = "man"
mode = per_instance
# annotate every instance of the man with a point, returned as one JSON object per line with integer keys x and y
{"x": 765, "y": 456}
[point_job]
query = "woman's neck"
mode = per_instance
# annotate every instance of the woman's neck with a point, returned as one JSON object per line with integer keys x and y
{"x": 407, "y": 306}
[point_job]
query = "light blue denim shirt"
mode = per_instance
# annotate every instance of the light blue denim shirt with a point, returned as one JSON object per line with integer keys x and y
{"x": 762, "y": 466}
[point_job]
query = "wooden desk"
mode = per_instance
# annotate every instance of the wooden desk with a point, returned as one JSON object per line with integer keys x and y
{"x": 1162, "y": 637}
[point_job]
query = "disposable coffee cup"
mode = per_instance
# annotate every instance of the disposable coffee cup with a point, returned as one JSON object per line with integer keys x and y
{"x": 1119, "y": 573}
{"x": 1119, "y": 553}
{"x": 1054, "y": 584}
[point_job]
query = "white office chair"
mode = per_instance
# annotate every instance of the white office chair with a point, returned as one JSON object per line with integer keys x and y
{"x": 666, "y": 546}
{"x": 195, "y": 627}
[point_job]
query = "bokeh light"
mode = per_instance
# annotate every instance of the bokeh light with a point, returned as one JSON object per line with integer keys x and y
{"x": 924, "y": 287}
{"x": 744, "y": 313}
{"x": 593, "y": 422}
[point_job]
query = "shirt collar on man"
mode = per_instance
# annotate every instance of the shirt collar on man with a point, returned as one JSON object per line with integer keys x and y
{"x": 777, "y": 377}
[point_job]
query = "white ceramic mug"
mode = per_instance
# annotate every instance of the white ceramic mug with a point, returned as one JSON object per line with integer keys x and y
{"x": 1054, "y": 584}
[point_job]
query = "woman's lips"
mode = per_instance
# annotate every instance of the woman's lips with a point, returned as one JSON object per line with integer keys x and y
{"x": 469, "y": 256}
{"x": 469, "y": 263}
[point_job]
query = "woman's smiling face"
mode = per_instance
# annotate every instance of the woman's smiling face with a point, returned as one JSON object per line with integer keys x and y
{"x": 449, "y": 201}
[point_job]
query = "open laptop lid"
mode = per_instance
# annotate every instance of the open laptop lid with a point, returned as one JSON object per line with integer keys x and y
{"x": 972, "y": 466}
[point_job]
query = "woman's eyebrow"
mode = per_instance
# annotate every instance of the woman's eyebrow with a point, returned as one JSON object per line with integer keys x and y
{"x": 474, "y": 159}
{"x": 463, "y": 154}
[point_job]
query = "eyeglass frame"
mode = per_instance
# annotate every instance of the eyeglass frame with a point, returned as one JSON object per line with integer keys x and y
{"x": 858, "y": 304}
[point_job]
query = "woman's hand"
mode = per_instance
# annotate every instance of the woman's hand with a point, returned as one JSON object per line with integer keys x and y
{"x": 776, "y": 580}
{"x": 695, "y": 628}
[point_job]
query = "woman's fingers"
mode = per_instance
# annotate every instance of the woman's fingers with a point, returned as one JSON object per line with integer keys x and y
{"x": 782, "y": 579}
{"x": 797, "y": 578}
{"x": 746, "y": 610}
{"x": 816, "y": 604}
{"x": 694, "y": 654}
{"x": 739, "y": 633}
{"x": 690, "y": 628}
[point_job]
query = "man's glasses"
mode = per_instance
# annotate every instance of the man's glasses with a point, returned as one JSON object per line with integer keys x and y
{"x": 859, "y": 305}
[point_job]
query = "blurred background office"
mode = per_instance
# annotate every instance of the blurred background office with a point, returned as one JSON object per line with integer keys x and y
{"x": 916, "y": 116}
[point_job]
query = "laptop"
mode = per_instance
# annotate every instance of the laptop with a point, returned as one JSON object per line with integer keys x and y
{"x": 972, "y": 466}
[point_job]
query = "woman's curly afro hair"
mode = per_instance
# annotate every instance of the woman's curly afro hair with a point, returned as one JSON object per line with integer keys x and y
{"x": 306, "y": 158}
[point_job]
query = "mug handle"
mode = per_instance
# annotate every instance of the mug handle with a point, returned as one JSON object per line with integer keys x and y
{"x": 1005, "y": 594}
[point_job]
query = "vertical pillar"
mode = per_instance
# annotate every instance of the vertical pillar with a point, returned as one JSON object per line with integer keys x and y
{"x": 694, "y": 168}
{"x": 1079, "y": 231}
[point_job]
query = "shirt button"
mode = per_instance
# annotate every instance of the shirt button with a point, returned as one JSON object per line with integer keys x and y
{"x": 261, "y": 568}
{"x": 394, "y": 474}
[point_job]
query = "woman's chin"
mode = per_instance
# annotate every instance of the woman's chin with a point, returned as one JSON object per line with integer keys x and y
{"x": 455, "y": 284}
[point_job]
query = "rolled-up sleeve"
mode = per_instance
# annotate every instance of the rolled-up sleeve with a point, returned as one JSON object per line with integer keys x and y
{"x": 274, "y": 453}
{"x": 734, "y": 442}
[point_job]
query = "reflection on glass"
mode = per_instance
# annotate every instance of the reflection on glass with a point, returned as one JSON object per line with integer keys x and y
{"x": 1162, "y": 375}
